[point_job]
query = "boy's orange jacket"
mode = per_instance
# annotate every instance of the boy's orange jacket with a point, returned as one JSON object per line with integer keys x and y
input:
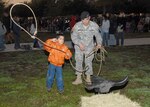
{"x": 57, "y": 57}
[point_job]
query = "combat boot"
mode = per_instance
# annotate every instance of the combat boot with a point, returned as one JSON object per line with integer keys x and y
{"x": 78, "y": 80}
{"x": 88, "y": 79}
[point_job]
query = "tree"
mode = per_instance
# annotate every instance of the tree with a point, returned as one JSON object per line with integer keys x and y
{"x": 68, "y": 7}
{"x": 39, "y": 7}
{"x": 76, "y": 7}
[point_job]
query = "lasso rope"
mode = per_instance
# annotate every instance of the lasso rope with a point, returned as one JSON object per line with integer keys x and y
{"x": 102, "y": 57}
{"x": 36, "y": 32}
{"x": 25, "y": 29}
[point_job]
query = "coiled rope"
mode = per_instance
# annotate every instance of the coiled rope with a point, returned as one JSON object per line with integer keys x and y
{"x": 101, "y": 55}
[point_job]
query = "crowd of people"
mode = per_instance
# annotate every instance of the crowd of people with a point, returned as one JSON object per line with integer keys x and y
{"x": 132, "y": 22}
{"x": 9, "y": 31}
{"x": 112, "y": 26}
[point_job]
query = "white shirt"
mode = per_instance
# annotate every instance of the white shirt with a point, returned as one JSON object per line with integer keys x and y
{"x": 32, "y": 29}
{"x": 105, "y": 25}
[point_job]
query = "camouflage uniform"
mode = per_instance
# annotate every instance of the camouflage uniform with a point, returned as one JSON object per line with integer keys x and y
{"x": 82, "y": 35}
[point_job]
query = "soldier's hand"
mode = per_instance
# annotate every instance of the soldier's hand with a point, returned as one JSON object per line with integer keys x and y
{"x": 98, "y": 46}
{"x": 82, "y": 47}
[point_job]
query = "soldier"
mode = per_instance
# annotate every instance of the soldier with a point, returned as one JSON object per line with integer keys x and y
{"x": 82, "y": 36}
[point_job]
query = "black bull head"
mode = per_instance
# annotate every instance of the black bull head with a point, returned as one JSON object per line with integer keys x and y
{"x": 101, "y": 85}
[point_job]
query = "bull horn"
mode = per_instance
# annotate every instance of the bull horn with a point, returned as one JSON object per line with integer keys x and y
{"x": 121, "y": 82}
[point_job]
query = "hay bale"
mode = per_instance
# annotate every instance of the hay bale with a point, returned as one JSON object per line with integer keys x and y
{"x": 108, "y": 100}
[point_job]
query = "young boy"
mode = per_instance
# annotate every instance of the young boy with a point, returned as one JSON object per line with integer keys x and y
{"x": 58, "y": 52}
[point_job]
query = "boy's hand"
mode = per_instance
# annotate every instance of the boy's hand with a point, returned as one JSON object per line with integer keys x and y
{"x": 54, "y": 39}
{"x": 67, "y": 54}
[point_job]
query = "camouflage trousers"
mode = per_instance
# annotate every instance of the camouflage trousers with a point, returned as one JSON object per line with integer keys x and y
{"x": 81, "y": 59}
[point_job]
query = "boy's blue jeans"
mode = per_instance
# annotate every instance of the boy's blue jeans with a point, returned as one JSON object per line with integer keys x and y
{"x": 52, "y": 70}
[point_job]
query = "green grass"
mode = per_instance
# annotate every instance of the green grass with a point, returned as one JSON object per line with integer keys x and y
{"x": 23, "y": 75}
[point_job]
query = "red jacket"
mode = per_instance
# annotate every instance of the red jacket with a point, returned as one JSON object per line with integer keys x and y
{"x": 56, "y": 56}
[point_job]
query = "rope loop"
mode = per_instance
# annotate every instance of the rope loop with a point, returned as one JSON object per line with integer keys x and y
{"x": 36, "y": 26}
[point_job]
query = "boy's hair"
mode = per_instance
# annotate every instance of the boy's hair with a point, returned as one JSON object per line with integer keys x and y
{"x": 59, "y": 36}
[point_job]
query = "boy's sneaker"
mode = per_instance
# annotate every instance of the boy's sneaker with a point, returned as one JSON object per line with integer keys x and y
{"x": 49, "y": 90}
{"x": 61, "y": 91}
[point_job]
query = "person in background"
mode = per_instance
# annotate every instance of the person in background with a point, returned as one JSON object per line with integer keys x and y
{"x": 2, "y": 33}
{"x": 112, "y": 31}
{"x": 105, "y": 30}
{"x": 32, "y": 31}
{"x": 72, "y": 21}
{"x": 121, "y": 23}
{"x": 16, "y": 31}
{"x": 9, "y": 38}
{"x": 120, "y": 35}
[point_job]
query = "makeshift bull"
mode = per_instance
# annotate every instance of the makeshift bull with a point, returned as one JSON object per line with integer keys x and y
{"x": 101, "y": 85}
